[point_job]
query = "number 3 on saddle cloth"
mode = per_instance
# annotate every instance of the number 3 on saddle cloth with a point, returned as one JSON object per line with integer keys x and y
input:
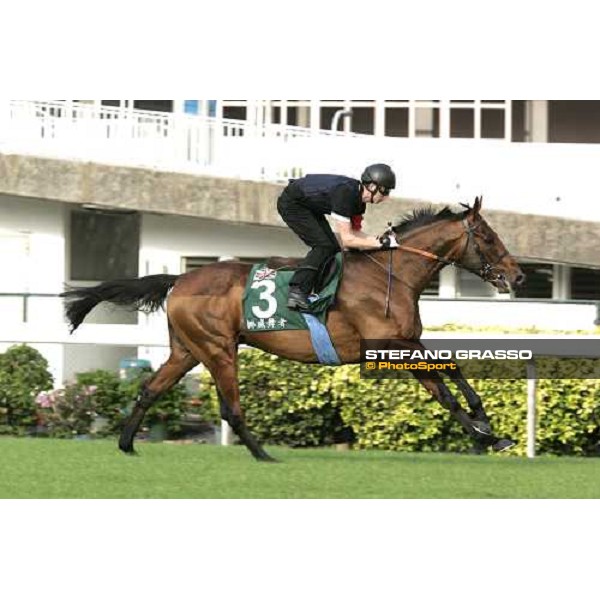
{"x": 265, "y": 299}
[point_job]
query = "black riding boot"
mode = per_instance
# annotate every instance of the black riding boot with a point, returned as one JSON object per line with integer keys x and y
{"x": 301, "y": 285}
{"x": 298, "y": 300}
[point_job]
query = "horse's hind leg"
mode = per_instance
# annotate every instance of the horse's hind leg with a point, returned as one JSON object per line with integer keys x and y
{"x": 178, "y": 364}
{"x": 221, "y": 361}
{"x": 225, "y": 376}
{"x": 210, "y": 334}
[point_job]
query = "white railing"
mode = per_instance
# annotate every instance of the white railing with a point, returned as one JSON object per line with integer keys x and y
{"x": 548, "y": 179}
{"x": 232, "y": 148}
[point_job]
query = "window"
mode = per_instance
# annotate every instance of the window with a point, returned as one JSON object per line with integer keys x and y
{"x": 462, "y": 123}
{"x": 492, "y": 123}
{"x": 538, "y": 283}
{"x": 396, "y": 122}
{"x": 103, "y": 245}
{"x": 326, "y": 117}
{"x": 574, "y": 121}
{"x": 363, "y": 120}
{"x": 159, "y": 105}
{"x": 585, "y": 284}
{"x": 433, "y": 287}
{"x": 235, "y": 112}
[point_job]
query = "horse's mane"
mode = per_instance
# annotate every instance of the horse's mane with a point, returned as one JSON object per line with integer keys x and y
{"x": 425, "y": 216}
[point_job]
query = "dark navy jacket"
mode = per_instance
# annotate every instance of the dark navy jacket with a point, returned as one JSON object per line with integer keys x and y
{"x": 326, "y": 194}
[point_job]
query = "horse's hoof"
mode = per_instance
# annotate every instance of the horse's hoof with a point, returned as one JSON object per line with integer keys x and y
{"x": 482, "y": 427}
{"x": 502, "y": 445}
{"x": 266, "y": 458}
{"x": 128, "y": 449}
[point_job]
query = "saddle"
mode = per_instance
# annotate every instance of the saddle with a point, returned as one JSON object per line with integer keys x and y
{"x": 265, "y": 296}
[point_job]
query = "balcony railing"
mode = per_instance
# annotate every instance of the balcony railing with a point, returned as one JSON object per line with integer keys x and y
{"x": 547, "y": 179}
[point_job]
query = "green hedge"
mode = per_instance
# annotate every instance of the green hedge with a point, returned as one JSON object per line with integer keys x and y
{"x": 305, "y": 405}
{"x": 295, "y": 404}
{"x": 287, "y": 403}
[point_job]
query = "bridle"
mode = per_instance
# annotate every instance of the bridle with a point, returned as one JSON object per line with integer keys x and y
{"x": 485, "y": 270}
{"x": 485, "y": 267}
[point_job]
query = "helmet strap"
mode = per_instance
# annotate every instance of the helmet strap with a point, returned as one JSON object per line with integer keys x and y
{"x": 366, "y": 187}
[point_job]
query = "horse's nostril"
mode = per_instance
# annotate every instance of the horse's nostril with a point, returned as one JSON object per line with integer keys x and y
{"x": 520, "y": 280}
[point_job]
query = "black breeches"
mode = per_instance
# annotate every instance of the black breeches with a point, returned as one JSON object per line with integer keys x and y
{"x": 314, "y": 231}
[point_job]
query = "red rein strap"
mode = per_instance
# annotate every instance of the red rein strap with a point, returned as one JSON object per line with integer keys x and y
{"x": 425, "y": 254}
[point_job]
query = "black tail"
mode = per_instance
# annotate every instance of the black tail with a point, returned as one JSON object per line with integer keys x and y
{"x": 146, "y": 293}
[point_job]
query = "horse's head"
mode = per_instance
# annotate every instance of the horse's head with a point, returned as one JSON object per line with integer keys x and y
{"x": 485, "y": 254}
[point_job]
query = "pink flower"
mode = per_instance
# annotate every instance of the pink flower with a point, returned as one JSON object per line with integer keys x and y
{"x": 44, "y": 400}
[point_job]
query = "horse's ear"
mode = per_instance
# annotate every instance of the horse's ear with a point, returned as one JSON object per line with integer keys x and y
{"x": 477, "y": 205}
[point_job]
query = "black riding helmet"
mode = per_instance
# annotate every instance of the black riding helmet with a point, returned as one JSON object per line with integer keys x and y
{"x": 380, "y": 174}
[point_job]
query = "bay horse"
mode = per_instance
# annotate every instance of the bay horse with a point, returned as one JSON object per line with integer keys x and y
{"x": 205, "y": 315}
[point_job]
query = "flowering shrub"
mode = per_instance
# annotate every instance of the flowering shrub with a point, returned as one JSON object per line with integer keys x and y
{"x": 23, "y": 373}
{"x": 111, "y": 402}
{"x": 71, "y": 411}
{"x": 67, "y": 412}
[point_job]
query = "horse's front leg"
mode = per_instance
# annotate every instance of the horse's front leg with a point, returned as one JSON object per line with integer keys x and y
{"x": 433, "y": 383}
{"x": 478, "y": 426}
{"x": 480, "y": 421}
{"x": 478, "y": 414}
{"x": 223, "y": 368}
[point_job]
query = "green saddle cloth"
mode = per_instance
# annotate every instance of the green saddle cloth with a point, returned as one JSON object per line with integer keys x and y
{"x": 265, "y": 299}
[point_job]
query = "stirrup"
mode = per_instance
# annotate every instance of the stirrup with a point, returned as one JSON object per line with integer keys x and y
{"x": 298, "y": 300}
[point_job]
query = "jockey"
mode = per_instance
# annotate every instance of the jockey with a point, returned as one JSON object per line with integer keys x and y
{"x": 303, "y": 205}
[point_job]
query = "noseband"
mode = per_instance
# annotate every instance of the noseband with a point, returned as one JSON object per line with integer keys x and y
{"x": 485, "y": 268}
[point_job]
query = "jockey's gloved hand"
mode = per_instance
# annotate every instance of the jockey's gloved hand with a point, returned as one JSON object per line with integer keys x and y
{"x": 388, "y": 240}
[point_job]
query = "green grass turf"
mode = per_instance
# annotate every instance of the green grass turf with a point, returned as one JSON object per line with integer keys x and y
{"x": 43, "y": 468}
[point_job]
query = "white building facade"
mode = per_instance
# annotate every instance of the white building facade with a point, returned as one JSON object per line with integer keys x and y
{"x": 525, "y": 157}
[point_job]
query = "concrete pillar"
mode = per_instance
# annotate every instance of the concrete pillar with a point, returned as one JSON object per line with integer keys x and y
{"x": 508, "y": 121}
{"x": 477, "y": 119}
{"x": 448, "y": 283}
{"x": 412, "y": 126}
{"x": 315, "y": 115}
{"x": 347, "y": 122}
{"x": 379, "y": 125}
{"x": 561, "y": 282}
{"x": 219, "y": 109}
{"x": 178, "y": 107}
{"x": 304, "y": 116}
{"x": 266, "y": 112}
{"x": 251, "y": 114}
{"x": 536, "y": 121}
{"x": 283, "y": 113}
{"x": 444, "y": 119}
{"x": 423, "y": 122}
